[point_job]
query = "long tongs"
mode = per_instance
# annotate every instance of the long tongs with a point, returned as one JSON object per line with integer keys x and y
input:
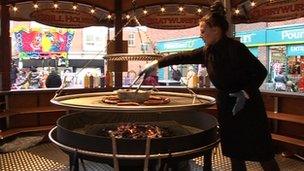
{"x": 136, "y": 79}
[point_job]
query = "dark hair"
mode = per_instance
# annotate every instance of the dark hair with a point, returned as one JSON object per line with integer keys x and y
{"x": 216, "y": 17}
{"x": 33, "y": 69}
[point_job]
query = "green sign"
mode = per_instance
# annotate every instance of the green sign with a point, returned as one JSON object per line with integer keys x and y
{"x": 273, "y": 36}
{"x": 254, "y": 51}
{"x": 252, "y": 38}
{"x": 179, "y": 44}
{"x": 295, "y": 50}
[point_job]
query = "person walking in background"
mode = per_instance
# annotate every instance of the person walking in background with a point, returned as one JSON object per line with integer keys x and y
{"x": 176, "y": 74}
{"x": 53, "y": 80}
{"x": 32, "y": 80}
{"x": 151, "y": 79}
{"x": 13, "y": 73}
{"x": 237, "y": 75}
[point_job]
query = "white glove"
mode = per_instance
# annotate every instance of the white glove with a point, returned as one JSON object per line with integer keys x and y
{"x": 241, "y": 97}
{"x": 150, "y": 67}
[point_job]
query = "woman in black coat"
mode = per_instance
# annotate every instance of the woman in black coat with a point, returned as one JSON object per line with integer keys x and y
{"x": 237, "y": 75}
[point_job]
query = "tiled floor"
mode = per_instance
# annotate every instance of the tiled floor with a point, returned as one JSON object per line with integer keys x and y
{"x": 47, "y": 157}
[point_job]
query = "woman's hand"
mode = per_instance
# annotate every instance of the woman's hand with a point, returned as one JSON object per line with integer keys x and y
{"x": 150, "y": 67}
{"x": 241, "y": 97}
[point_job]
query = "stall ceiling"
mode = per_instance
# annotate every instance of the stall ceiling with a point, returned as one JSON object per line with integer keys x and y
{"x": 109, "y": 5}
{"x": 262, "y": 10}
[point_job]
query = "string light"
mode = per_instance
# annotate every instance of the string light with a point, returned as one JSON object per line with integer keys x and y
{"x": 109, "y": 16}
{"x": 74, "y": 6}
{"x": 237, "y": 11}
{"x": 35, "y": 5}
{"x": 181, "y": 8}
{"x": 55, "y": 5}
{"x": 92, "y": 10}
{"x": 162, "y": 9}
{"x": 127, "y": 16}
{"x": 145, "y": 11}
{"x": 199, "y": 10}
{"x": 252, "y": 3}
{"x": 15, "y": 8}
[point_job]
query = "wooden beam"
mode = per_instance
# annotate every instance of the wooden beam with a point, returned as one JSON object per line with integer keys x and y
{"x": 286, "y": 117}
{"x": 288, "y": 140}
{"x": 118, "y": 41}
{"x": 227, "y": 5}
{"x": 5, "y": 48}
{"x": 15, "y": 131}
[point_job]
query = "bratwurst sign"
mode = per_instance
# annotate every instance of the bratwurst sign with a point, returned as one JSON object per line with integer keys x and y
{"x": 277, "y": 11}
{"x": 170, "y": 20}
{"x": 64, "y": 18}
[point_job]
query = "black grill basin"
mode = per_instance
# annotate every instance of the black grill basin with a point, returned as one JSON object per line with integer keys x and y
{"x": 194, "y": 133}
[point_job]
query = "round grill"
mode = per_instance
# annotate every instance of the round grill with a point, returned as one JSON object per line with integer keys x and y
{"x": 93, "y": 101}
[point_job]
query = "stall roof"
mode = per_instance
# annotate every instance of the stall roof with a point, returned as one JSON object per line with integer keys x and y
{"x": 248, "y": 11}
{"x": 109, "y": 5}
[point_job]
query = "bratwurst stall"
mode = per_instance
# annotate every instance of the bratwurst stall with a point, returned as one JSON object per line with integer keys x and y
{"x": 136, "y": 133}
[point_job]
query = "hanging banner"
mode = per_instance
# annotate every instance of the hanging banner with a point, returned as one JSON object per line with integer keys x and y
{"x": 38, "y": 43}
{"x": 270, "y": 11}
{"x": 170, "y": 20}
{"x": 64, "y": 18}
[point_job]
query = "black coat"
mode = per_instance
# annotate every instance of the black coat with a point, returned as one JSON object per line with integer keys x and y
{"x": 53, "y": 80}
{"x": 231, "y": 68}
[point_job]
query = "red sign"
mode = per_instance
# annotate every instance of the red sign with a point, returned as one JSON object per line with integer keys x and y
{"x": 64, "y": 18}
{"x": 277, "y": 11}
{"x": 170, "y": 20}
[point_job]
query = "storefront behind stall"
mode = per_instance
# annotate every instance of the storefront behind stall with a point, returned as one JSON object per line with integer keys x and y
{"x": 50, "y": 49}
{"x": 281, "y": 50}
{"x": 174, "y": 46}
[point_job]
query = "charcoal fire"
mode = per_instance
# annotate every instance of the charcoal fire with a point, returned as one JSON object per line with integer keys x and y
{"x": 135, "y": 131}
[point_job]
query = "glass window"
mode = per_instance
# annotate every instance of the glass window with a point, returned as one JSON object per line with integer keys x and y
{"x": 286, "y": 73}
{"x": 144, "y": 47}
{"x": 94, "y": 39}
{"x": 277, "y": 67}
{"x": 131, "y": 39}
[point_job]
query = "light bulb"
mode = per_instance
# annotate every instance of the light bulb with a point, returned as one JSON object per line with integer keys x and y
{"x": 92, "y": 11}
{"x": 35, "y": 6}
{"x": 74, "y": 6}
{"x": 237, "y": 11}
{"x": 55, "y": 5}
{"x": 145, "y": 11}
{"x": 15, "y": 8}
{"x": 199, "y": 10}
{"x": 181, "y": 8}
{"x": 162, "y": 9}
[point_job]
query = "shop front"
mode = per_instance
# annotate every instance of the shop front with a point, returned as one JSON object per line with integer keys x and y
{"x": 284, "y": 57}
{"x": 173, "y": 46}
{"x": 45, "y": 50}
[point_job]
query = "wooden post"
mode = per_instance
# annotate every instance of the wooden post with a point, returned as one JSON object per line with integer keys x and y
{"x": 229, "y": 13}
{"x": 5, "y": 48}
{"x": 118, "y": 42}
